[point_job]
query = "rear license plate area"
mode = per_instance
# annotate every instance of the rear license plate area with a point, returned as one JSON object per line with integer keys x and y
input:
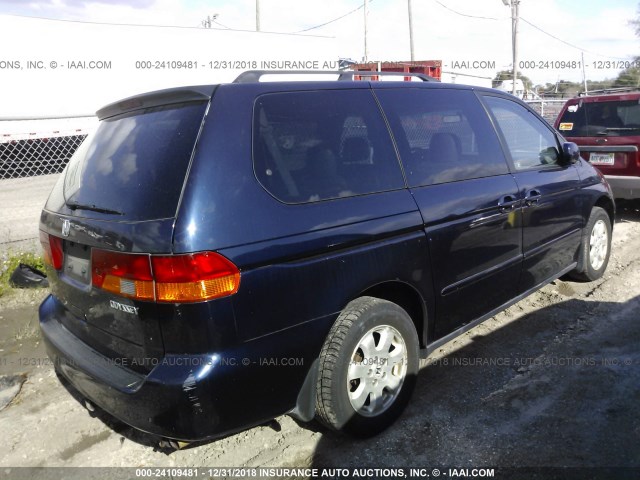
{"x": 77, "y": 262}
{"x": 601, "y": 158}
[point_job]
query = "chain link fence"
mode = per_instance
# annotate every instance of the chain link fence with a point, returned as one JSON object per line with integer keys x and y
{"x": 548, "y": 109}
{"x": 36, "y": 156}
{"x": 30, "y": 148}
{"x": 32, "y": 154}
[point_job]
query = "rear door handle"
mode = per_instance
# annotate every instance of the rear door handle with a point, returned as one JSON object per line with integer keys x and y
{"x": 507, "y": 203}
{"x": 532, "y": 197}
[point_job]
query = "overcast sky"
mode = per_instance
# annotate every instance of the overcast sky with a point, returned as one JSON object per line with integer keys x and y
{"x": 465, "y": 34}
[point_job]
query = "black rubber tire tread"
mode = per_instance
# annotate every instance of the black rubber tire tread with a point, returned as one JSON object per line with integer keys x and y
{"x": 330, "y": 358}
{"x": 588, "y": 274}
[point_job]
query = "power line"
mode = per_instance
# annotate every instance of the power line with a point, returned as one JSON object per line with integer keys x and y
{"x": 224, "y": 26}
{"x": 206, "y": 23}
{"x": 567, "y": 43}
{"x": 464, "y": 14}
{"x": 90, "y": 22}
{"x": 184, "y": 27}
{"x": 335, "y": 19}
{"x": 532, "y": 25}
{"x": 552, "y": 36}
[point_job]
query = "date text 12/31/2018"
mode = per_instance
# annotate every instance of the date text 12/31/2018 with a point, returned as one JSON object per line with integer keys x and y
{"x": 237, "y": 65}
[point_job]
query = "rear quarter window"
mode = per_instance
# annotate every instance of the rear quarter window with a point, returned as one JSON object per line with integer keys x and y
{"x": 313, "y": 146}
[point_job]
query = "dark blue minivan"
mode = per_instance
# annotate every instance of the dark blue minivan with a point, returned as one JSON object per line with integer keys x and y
{"x": 221, "y": 255}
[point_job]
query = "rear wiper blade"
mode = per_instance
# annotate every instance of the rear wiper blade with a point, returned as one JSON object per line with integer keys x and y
{"x": 93, "y": 208}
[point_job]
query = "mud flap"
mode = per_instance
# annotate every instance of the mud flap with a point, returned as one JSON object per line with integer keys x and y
{"x": 305, "y": 409}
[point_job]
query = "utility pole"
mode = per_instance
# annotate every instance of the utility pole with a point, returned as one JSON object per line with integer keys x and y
{"x": 207, "y": 22}
{"x": 366, "y": 49}
{"x": 257, "y": 15}
{"x": 411, "y": 31}
{"x": 584, "y": 76}
{"x": 515, "y": 15}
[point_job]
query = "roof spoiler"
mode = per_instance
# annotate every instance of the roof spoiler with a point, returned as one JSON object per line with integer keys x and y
{"x": 156, "y": 99}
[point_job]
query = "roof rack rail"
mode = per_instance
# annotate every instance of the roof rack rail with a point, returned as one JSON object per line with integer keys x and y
{"x": 604, "y": 91}
{"x": 252, "y": 76}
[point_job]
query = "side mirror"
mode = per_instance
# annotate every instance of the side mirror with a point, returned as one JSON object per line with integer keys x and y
{"x": 570, "y": 152}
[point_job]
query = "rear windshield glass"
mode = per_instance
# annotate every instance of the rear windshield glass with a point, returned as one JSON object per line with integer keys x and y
{"x": 133, "y": 167}
{"x": 590, "y": 119}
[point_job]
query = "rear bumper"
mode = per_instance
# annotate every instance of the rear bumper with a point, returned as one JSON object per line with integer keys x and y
{"x": 624, "y": 187}
{"x": 186, "y": 397}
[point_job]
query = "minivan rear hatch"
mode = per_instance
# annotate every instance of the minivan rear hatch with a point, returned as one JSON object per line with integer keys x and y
{"x": 117, "y": 199}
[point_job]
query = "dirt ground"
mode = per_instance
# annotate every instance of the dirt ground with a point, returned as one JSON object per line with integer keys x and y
{"x": 552, "y": 381}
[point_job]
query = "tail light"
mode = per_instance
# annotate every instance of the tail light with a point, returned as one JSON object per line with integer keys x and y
{"x": 195, "y": 277}
{"x": 52, "y": 247}
{"x": 185, "y": 278}
{"x": 122, "y": 273}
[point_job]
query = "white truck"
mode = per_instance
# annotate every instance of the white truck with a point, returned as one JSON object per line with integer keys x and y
{"x": 521, "y": 90}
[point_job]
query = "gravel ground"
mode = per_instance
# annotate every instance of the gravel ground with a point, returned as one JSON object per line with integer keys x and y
{"x": 552, "y": 381}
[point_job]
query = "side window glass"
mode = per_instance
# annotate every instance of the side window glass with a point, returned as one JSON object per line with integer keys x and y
{"x": 443, "y": 135}
{"x": 312, "y": 146}
{"x": 529, "y": 140}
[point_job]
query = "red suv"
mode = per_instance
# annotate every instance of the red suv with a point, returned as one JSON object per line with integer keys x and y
{"x": 607, "y": 130}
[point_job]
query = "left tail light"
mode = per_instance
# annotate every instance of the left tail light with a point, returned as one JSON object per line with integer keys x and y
{"x": 184, "y": 278}
{"x": 125, "y": 274}
{"x": 52, "y": 247}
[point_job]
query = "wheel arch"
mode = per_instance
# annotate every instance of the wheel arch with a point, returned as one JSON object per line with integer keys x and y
{"x": 396, "y": 291}
{"x": 407, "y": 297}
{"x": 608, "y": 206}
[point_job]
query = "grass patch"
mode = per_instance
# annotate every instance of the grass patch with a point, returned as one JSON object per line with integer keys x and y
{"x": 9, "y": 262}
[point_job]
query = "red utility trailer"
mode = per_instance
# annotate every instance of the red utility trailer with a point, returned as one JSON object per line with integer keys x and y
{"x": 433, "y": 68}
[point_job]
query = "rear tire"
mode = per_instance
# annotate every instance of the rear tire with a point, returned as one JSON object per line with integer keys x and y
{"x": 368, "y": 367}
{"x": 595, "y": 247}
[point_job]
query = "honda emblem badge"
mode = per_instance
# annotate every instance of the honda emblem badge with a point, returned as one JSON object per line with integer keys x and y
{"x": 66, "y": 228}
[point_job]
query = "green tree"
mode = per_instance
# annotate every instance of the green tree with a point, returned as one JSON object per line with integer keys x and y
{"x": 562, "y": 88}
{"x": 629, "y": 77}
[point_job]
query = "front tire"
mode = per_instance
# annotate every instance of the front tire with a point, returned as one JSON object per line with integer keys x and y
{"x": 595, "y": 247}
{"x": 368, "y": 367}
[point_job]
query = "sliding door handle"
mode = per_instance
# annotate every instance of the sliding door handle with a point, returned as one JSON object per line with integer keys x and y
{"x": 507, "y": 203}
{"x": 532, "y": 198}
